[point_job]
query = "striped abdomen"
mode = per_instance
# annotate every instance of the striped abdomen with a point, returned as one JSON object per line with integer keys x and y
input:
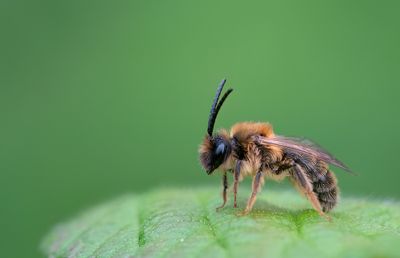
{"x": 326, "y": 189}
{"x": 322, "y": 181}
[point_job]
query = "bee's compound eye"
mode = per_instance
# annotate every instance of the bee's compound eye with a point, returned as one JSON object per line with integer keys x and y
{"x": 220, "y": 149}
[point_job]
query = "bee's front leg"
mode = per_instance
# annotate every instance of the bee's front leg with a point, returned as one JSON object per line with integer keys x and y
{"x": 257, "y": 181}
{"x": 225, "y": 187}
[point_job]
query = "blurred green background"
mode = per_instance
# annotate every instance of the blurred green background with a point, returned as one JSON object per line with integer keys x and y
{"x": 100, "y": 98}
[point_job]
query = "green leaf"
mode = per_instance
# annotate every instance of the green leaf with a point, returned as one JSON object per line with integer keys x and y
{"x": 184, "y": 223}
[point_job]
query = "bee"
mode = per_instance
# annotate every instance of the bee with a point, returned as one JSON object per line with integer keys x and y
{"x": 253, "y": 149}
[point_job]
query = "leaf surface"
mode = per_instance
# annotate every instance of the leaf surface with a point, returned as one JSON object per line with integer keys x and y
{"x": 184, "y": 223}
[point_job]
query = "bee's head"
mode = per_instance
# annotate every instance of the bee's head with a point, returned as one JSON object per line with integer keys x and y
{"x": 215, "y": 149}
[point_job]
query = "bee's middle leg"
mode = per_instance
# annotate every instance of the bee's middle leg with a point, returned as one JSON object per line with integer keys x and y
{"x": 225, "y": 187}
{"x": 236, "y": 175}
{"x": 257, "y": 181}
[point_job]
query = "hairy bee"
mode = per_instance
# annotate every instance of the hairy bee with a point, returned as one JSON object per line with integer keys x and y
{"x": 252, "y": 149}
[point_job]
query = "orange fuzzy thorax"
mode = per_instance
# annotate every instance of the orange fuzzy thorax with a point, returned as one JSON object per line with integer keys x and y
{"x": 244, "y": 130}
{"x": 243, "y": 133}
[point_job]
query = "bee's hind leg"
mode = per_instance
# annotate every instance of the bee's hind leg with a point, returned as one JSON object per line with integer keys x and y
{"x": 257, "y": 182}
{"x": 225, "y": 187}
{"x": 316, "y": 205}
{"x": 304, "y": 185}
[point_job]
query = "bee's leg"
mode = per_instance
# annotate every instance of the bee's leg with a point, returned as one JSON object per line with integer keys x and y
{"x": 304, "y": 184}
{"x": 316, "y": 205}
{"x": 225, "y": 187}
{"x": 236, "y": 175}
{"x": 257, "y": 181}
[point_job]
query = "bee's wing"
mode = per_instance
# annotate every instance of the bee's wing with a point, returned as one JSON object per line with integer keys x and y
{"x": 303, "y": 147}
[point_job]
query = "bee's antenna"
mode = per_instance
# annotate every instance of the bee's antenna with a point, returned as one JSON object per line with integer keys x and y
{"x": 216, "y": 106}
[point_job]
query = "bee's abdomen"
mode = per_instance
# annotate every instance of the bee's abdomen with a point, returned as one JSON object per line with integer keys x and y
{"x": 326, "y": 190}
